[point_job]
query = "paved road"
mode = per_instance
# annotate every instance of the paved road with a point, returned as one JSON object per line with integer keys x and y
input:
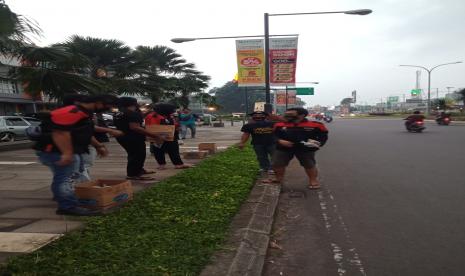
{"x": 392, "y": 204}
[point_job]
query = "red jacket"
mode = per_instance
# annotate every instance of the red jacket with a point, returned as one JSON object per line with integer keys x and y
{"x": 300, "y": 132}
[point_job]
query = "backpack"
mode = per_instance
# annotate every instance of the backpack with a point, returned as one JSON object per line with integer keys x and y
{"x": 42, "y": 132}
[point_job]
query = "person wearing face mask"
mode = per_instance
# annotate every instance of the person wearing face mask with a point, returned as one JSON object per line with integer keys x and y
{"x": 263, "y": 140}
{"x": 67, "y": 133}
{"x": 298, "y": 137}
{"x": 100, "y": 132}
{"x": 129, "y": 120}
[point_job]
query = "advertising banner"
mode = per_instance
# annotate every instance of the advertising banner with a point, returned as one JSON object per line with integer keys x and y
{"x": 250, "y": 62}
{"x": 283, "y": 61}
{"x": 281, "y": 97}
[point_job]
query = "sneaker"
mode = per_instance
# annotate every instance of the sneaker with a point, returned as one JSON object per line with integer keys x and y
{"x": 181, "y": 142}
{"x": 77, "y": 211}
{"x": 271, "y": 172}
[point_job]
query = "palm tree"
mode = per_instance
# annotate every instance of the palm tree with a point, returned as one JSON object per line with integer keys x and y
{"x": 190, "y": 82}
{"x": 15, "y": 30}
{"x": 53, "y": 71}
{"x": 167, "y": 75}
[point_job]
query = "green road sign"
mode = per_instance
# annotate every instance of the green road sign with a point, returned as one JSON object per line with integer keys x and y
{"x": 393, "y": 99}
{"x": 304, "y": 91}
{"x": 416, "y": 92}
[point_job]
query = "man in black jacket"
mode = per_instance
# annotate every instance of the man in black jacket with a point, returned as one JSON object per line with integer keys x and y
{"x": 298, "y": 137}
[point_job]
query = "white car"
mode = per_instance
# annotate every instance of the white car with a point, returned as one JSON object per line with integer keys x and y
{"x": 14, "y": 127}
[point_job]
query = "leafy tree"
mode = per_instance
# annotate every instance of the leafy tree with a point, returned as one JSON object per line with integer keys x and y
{"x": 346, "y": 101}
{"x": 232, "y": 98}
{"x": 461, "y": 95}
{"x": 51, "y": 70}
{"x": 15, "y": 30}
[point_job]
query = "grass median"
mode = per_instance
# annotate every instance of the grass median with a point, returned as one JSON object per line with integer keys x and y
{"x": 171, "y": 228}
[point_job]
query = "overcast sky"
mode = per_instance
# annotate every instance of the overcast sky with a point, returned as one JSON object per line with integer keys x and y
{"x": 342, "y": 52}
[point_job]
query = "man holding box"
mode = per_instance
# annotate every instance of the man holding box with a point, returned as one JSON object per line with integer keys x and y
{"x": 66, "y": 134}
{"x": 163, "y": 115}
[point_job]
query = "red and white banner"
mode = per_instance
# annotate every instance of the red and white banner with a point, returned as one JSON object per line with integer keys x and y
{"x": 283, "y": 61}
{"x": 281, "y": 97}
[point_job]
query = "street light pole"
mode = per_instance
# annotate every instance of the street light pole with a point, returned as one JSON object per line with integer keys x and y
{"x": 428, "y": 106}
{"x": 268, "y": 106}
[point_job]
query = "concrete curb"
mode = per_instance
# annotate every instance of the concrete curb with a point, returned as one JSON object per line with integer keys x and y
{"x": 9, "y": 146}
{"x": 250, "y": 256}
{"x": 245, "y": 251}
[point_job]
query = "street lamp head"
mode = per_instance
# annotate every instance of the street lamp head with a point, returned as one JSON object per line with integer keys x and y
{"x": 359, "y": 12}
{"x": 181, "y": 40}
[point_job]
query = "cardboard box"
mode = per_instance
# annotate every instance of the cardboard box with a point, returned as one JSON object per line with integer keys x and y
{"x": 210, "y": 147}
{"x": 104, "y": 193}
{"x": 165, "y": 131}
{"x": 198, "y": 154}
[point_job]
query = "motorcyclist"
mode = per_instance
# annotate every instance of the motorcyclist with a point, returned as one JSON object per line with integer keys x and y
{"x": 416, "y": 116}
{"x": 442, "y": 116}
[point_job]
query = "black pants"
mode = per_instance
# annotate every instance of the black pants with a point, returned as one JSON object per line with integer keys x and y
{"x": 136, "y": 156}
{"x": 169, "y": 147}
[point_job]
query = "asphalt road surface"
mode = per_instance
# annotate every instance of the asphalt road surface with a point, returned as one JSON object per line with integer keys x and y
{"x": 392, "y": 203}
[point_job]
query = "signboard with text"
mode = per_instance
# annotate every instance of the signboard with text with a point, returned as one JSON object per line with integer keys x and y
{"x": 302, "y": 91}
{"x": 393, "y": 99}
{"x": 281, "y": 97}
{"x": 250, "y": 62}
{"x": 283, "y": 60}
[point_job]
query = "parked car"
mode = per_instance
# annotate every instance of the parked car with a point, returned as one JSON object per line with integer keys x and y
{"x": 210, "y": 116}
{"x": 13, "y": 127}
{"x": 238, "y": 115}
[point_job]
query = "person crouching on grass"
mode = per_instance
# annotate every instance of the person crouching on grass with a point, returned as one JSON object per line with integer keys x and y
{"x": 298, "y": 137}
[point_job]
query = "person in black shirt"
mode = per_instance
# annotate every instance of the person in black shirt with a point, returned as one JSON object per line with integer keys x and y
{"x": 129, "y": 120}
{"x": 66, "y": 135}
{"x": 263, "y": 140}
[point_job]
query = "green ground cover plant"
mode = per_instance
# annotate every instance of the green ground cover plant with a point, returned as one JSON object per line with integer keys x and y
{"x": 172, "y": 228}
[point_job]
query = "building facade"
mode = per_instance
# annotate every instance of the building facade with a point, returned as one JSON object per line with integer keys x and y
{"x": 12, "y": 98}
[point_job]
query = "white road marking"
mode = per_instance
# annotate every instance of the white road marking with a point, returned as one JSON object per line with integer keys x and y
{"x": 16, "y": 163}
{"x": 351, "y": 257}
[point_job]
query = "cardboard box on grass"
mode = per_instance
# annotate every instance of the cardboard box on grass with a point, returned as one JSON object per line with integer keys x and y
{"x": 210, "y": 147}
{"x": 104, "y": 193}
{"x": 165, "y": 131}
{"x": 196, "y": 154}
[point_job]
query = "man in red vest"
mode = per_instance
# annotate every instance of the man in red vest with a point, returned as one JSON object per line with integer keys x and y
{"x": 298, "y": 137}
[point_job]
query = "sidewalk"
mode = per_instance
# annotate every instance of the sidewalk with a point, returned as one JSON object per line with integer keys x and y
{"x": 27, "y": 212}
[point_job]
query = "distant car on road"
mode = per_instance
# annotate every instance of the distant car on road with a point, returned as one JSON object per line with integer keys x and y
{"x": 202, "y": 117}
{"x": 238, "y": 115}
{"x": 14, "y": 127}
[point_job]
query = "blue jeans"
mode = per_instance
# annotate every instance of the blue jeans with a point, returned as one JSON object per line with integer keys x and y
{"x": 264, "y": 153}
{"x": 64, "y": 178}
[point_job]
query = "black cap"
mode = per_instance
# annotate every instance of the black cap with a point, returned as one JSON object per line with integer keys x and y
{"x": 71, "y": 99}
{"x": 164, "y": 109}
{"x": 259, "y": 113}
{"x": 127, "y": 101}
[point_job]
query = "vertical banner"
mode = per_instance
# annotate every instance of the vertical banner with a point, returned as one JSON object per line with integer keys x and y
{"x": 283, "y": 61}
{"x": 281, "y": 97}
{"x": 250, "y": 62}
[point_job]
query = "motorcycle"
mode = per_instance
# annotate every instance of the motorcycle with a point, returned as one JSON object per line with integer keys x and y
{"x": 328, "y": 119}
{"x": 415, "y": 126}
{"x": 445, "y": 121}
